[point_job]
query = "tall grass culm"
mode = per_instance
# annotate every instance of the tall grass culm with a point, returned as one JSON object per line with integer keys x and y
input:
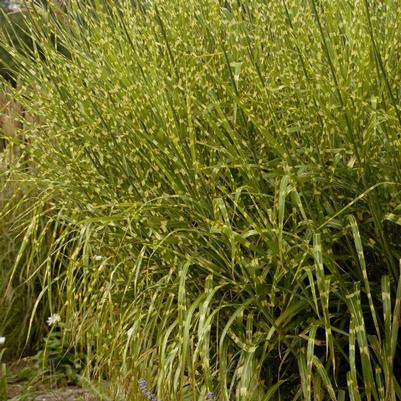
{"x": 219, "y": 185}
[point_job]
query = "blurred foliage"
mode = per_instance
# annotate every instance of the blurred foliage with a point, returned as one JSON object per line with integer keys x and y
{"x": 14, "y": 31}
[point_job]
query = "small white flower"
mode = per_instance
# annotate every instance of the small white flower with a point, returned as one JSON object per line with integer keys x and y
{"x": 2, "y": 340}
{"x": 14, "y": 7}
{"x": 54, "y": 318}
{"x": 98, "y": 257}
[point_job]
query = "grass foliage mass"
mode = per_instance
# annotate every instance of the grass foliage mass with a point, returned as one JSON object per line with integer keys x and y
{"x": 208, "y": 194}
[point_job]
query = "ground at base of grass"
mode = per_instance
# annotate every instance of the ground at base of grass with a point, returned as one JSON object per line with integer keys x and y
{"x": 22, "y": 388}
{"x": 72, "y": 393}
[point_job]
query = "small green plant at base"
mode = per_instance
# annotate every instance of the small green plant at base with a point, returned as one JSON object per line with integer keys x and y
{"x": 56, "y": 361}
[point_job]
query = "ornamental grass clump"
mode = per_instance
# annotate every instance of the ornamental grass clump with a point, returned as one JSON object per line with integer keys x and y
{"x": 237, "y": 166}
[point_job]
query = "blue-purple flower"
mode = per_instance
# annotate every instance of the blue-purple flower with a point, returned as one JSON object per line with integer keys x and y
{"x": 143, "y": 386}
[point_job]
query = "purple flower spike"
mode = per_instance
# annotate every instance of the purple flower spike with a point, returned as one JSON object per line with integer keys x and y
{"x": 210, "y": 396}
{"x": 143, "y": 386}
